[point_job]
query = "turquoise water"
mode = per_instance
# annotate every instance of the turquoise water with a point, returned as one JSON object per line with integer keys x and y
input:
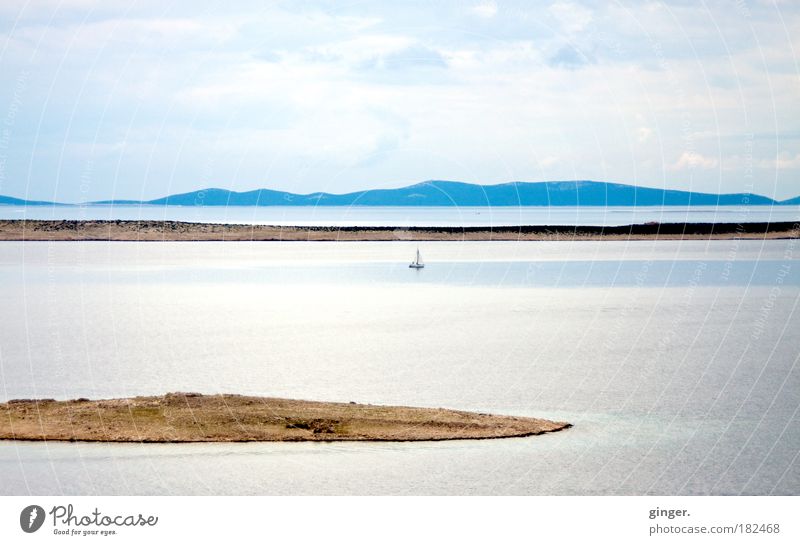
{"x": 677, "y": 362}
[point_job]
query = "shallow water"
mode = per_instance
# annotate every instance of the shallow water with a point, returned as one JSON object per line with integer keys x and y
{"x": 677, "y": 362}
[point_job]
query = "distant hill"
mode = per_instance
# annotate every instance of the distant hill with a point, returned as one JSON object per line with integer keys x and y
{"x": 795, "y": 201}
{"x": 446, "y": 193}
{"x": 22, "y": 202}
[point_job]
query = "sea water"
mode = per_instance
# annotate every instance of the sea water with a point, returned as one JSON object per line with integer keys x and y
{"x": 676, "y": 362}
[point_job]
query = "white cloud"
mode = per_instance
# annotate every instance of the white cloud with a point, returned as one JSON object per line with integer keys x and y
{"x": 548, "y": 161}
{"x": 643, "y": 134}
{"x": 573, "y": 17}
{"x": 485, "y": 9}
{"x": 357, "y": 49}
{"x": 119, "y": 36}
{"x": 783, "y": 161}
{"x": 694, "y": 160}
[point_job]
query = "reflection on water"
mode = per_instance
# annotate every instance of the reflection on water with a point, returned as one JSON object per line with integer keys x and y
{"x": 676, "y": 361}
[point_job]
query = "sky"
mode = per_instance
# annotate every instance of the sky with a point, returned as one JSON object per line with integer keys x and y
{"x": 140, "y": 99}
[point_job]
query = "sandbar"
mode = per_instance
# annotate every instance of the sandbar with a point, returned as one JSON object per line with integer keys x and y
{"x": 181, "y": 417}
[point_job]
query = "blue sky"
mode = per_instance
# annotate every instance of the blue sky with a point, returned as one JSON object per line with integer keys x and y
{"x": 140, "y": 99}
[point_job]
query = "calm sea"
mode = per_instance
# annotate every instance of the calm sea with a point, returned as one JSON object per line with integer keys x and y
{"x": 412, "y": 216}
{"x": 677, "y": 362}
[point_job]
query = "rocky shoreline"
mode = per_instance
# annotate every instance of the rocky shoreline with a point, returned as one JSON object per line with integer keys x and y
{"x": 123, "y": 230}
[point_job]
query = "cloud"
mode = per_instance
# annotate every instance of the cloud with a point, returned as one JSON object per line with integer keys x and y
{"x": 692, "y": 160}
{"x": 573, "y": 17}
{"x": 356, "y": 50}
{"x": 120, "y": 38}
{"x": 411, "y": 57}
{"x": 548, "y": 161}
{"x": 783, "y": 161}
{"x": 485, "y": 9}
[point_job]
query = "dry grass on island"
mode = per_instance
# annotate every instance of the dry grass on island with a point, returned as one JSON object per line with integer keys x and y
{"x": 122, "y": 230}
{"x": 190, "y": 417}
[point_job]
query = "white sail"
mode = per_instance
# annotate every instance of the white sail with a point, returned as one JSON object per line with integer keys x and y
{"x": 417, "y": 263}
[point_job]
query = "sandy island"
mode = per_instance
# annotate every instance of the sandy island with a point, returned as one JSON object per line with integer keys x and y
{"x": 187, "y": 231}
{"x": 190, "y": 417}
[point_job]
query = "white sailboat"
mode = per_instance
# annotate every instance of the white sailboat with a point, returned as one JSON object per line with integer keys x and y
{"x": 417, "y": 263}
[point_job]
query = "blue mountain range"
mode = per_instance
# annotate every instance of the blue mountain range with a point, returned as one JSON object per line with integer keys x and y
{"x": 446, "y": 193}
